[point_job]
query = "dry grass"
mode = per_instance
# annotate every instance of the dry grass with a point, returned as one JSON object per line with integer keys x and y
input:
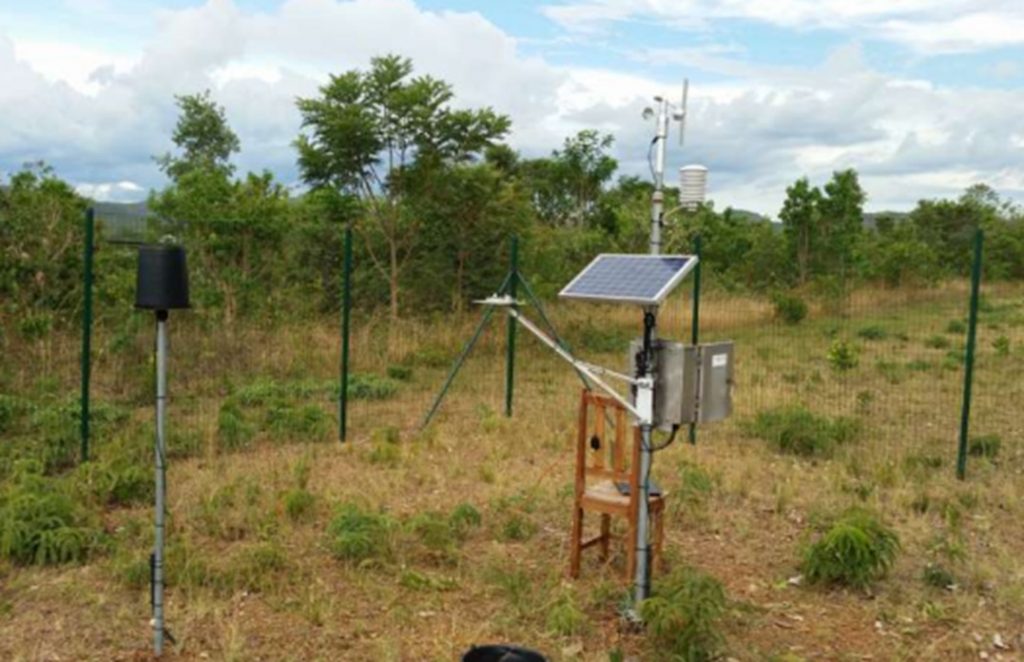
{"x": 254, "y": 583}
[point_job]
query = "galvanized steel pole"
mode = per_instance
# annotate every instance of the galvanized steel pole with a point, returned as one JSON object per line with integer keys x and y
{"x": 158, "y": 546}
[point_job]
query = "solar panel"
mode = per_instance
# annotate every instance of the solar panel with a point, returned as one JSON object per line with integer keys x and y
{"x": 638, "y": 279}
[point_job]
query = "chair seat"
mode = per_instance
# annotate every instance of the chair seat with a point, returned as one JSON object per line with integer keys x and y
{"x": 607, "y": 494}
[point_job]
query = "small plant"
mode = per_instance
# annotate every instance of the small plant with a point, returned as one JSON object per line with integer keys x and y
{"x": 873, "y": 332}
{"x": 695, "y": 484}
{"x": 233, "y": 431}
{"x": 789, "y": 308}
{"x": 402, "y": 373}
{"x": 356, "y": 535}
{"x": 953, "y": 359}
{"x": 956, "y": 327}
{"x": 464, "y": 518}
{"x": 919, "y": 365}
{"x": 419, "y": 581}
{"x": 799, "y": 431}
{"x": 938, "y": 577}
{"x": 1002, "y": 346}
{"x": 517, "y": 527}
{"x": 35, "y": 327}
{"x": 857, "y": 549}
{"x": 684, "y": 614}
{"x": 987, "y": 445}
{"x": 565, "y": 618}
{"x": 298, "y": 504}
{"x": 437, "y": 534}
{"x": 843, "y": 356}
{"x": 937, "y": 342}
{"x": 891, "y": 370}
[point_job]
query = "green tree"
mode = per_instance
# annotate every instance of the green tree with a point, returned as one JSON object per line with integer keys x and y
{"x": 203, "y": 136}
{"x": 384, "y": 136}
{"x": 567, "y": 187}
{"x": 801, "y": 215}
{"x": 841, "y": 225}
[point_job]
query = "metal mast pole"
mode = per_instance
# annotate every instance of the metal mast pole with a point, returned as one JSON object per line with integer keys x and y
{"x": 158, "y": 546}
{"x": 645, "y": 393}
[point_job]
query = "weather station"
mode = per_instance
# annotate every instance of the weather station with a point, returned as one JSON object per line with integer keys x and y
{"x": 669, "y": 384}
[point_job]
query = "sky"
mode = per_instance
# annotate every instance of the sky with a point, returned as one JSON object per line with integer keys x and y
{"x": 922, "y": 97}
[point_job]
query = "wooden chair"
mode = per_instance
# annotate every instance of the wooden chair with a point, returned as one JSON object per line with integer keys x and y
{"x": 600, "y": 464}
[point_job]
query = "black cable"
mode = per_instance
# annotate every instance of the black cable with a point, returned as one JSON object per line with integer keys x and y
{"x": 667, "y": 442}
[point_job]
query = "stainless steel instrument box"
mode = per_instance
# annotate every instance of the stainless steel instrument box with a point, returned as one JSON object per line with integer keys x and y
{"x": 691, "y": 384}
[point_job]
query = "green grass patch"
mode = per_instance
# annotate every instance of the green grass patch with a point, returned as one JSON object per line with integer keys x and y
{"x": 986, "y": 445}
{"x": 798, "y": 431}
{"x": 357, "y": 535}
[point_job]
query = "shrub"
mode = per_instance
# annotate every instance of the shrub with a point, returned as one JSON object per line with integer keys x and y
{"x": 798, "y": 431}
{"x": 402, "y": 373}
{"x": 789, "y": 308}
{"x": 873, "y": 332}
{"x": 937, "y": 342}
{"x": 354, "y": 534}
{"x": 987, "y": 445}
{"x": 308, "y": 421}
{"x": 435, "y": 531}
{"x": 41, "y": 524}
{"x": 683, "y": 615}
{"x": 842, "y": 356}
{"x": 854, "y": 551}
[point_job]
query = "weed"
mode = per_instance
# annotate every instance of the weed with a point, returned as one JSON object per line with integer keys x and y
{"x": 873, "y": 332}
{"x": 789, "y": 308}
{"x": 432, "y": 357}
{"x": 919, "y": 365}
{"x": 517, "y": 527}
{"x": 891, "y": 370}
{"x": 464, "y": 518}
{"x": 357, "y": 535}
{"x": 1002, "y": 346}
{"x": 857, "y": 549}
{"x": 956, "y": 327}
{"x": 255, "y": 568}
{"x": 938, "y": 577}
{"x": 987, "y": 445}
{"x": 40, "y": 523}
{"x": 436, "y": 532}
{"x": 695, "y": 484}
{"x": 937, "y": 342}
{"x": 683, "y": 615}
{"x": 419, "y": 581}
{"x": 799, "y": 431}
{"x": 307, "y": 422}
{"x": 843, "y": 356}
{"x": 118, "y": 483}
{"x": 298, "y": 504}
{"x": 953, "y": 359}
{"x": 402, "y": 373}
{"x": 366, "y": 386}
{"x": 565, "y": 618}
{"x": 385, "y": 454}
{"x": 233, "y": 431}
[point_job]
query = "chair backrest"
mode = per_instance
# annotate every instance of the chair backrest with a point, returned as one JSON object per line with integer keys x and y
{"x": 602, "y": 430}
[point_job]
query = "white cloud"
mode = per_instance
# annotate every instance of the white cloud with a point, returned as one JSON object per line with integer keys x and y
{"x": 931, "y": 26}
{"x": 99, "y": 120}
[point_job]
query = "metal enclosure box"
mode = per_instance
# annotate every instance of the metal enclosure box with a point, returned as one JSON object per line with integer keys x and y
{"x": 715, "y": 397}
{"x": 675, "y": 382}
{"x": 691, "y": 384}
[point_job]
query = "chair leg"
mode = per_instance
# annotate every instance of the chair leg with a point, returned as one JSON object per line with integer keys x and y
{"x": 606, "y": 533}
{"x": 576, "y": 542}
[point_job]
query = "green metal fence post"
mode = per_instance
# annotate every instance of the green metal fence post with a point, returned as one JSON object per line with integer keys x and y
{"x": 510, "y": 350}
{"x": 346, "y": 313}
{"x": 695, "y": 316}
{"x": 972, "y": 326}
{"x": 90, "y": 223}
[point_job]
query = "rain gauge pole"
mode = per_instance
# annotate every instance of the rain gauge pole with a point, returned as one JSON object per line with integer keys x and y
{"x": 161, "y": 486}
{"x": 161, "y": 286}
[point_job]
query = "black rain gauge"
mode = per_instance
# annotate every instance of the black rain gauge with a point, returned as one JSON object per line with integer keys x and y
{"x": 161, "y": 286}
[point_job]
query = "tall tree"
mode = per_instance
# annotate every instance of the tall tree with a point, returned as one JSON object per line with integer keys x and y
{"x": 203, "y": 136}
{"x": 842, "y": 223}
{"x": 800, "y": 216}
{"x": 567, "y": 187}
{"x": 384, "y": 136}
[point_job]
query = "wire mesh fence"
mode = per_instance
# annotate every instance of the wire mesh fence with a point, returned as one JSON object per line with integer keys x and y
{"x": 889, "y": 361}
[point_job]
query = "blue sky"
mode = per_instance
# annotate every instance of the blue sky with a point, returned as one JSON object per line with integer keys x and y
{"x": 921, "y": 96}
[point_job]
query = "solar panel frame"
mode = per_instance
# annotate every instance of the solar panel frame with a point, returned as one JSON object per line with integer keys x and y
{"x": 689, "y": 263}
